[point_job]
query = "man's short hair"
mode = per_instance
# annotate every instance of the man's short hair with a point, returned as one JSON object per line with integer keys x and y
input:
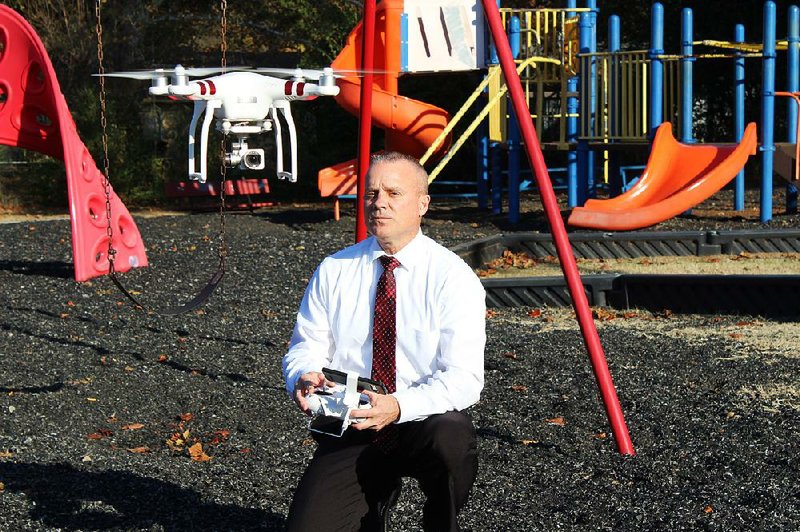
{"x": 395, "y": 156}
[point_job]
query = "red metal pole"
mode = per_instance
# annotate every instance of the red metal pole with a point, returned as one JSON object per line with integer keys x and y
{"x": 563, "y": 247}
{"x": 365, "y": 111}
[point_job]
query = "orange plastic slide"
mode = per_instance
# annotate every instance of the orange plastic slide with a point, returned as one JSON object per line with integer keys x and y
{"x": 677, "y": 177}
{"x": 411, "y": 126}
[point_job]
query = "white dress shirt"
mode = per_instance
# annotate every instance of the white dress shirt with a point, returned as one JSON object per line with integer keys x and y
{"x": 441, "y": 329}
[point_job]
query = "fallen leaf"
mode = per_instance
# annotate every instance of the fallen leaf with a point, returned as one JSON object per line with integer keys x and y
{"x": 245, "y": 450}
{"x": 529, "y": 442}
{"x": 630, "y": 314}
{"x": 133, "y": 426}
{"x": 510, "y": 354}
{"x": 64, "y": 315}
{"x": 197, "y": 453}
{"x": 535, "y": 313}
{"x": 735, "y": 336}
{"x": 186, "y": 416}
{"x": 557, "y": 421}
{"x": 92, "y": 399}
{"x": 86, "y": 458}
{"x": 708, "y": 509}
{"x": 519, "y": 388}
{"x": 162, "y": 358}
{"x": 100, "y": 434}
{"x": 6, "y": 454}
{"x": 220, "y": 436}
{"x": 603, "y": 314}
{"x": 139, "y": 450}
{"x": 490, "y": 313}
{"x": 745, "y": 323}
{"x": 600, "y": 436}
{"x": 70, "y": 303}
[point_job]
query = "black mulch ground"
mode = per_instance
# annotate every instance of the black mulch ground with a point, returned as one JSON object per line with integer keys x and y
{"x": 100, "y": 404}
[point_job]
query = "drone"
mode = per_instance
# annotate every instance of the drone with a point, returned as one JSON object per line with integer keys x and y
{"x": 245, "y": 103}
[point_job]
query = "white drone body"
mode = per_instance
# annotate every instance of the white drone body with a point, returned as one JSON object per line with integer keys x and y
{"x": 244, "y": 103}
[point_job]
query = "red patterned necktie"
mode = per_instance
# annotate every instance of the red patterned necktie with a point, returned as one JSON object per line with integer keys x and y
{"x": 384, "y": 332}
{"x": 384, "y": 341}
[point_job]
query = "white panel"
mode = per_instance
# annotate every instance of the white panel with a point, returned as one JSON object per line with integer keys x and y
{"x": 444, "y": 35}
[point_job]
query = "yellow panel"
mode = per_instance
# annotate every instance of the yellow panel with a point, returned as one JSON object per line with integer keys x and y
{"x": 496, "y": 120}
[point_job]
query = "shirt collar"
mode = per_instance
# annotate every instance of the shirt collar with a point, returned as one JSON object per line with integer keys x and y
{"x": 408, "y": 256}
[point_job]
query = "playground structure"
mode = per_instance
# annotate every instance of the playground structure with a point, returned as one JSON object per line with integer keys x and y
{"x": 588, "y": 105}
{"x": 35, "y": 116}
{"x": 601, "y": 103}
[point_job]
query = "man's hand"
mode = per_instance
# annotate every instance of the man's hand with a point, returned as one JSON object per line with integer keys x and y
{"x": 306, "y": 385}
{"x": 385, "y": 410}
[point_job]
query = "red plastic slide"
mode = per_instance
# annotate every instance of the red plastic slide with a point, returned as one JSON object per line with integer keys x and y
{"x": 677, "y": 177}
{"x": 411, "y": 126}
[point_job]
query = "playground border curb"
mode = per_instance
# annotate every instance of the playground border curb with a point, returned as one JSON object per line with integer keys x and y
{"x": 763, "y": 295}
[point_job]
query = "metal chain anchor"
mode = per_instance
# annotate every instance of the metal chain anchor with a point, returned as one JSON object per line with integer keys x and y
{"x": 223, "y": 170}
{"x": 111, "y": 252}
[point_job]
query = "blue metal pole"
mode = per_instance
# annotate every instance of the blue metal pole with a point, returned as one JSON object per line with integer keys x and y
{"x": 738, "y": 114}
{"x": 687, "y": 83}
{"x": 656, "y": 68}
{"x": 572, "y": 130}
{"x": 496, "y": 166}
{"x": 792, "y": 75}
{"x": 513, "y": 134}
{"x": 584, "y": 37}
{"x": 571, "y": 4}
{"x": 483, "y": 167}
{"x": 513, "y": 142}
{"x": 572, "y": 137}
{"x": 592, "y": 155}
{"x": 614, "y": 177}
{"x": 767, "y": 111}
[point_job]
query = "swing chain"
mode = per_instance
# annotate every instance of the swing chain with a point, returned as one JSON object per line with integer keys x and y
{"x": 111, "y": 253}
{"x": 223, "y": 170}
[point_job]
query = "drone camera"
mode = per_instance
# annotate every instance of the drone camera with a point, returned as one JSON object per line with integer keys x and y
{"x": 252, "y": 160}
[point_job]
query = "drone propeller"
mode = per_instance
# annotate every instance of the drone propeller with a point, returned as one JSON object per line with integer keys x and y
{"x": 316, "y": 74}
{"x": 165, "y": 72}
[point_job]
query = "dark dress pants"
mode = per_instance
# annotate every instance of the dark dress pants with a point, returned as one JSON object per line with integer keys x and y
{"x": 349, "y": 478}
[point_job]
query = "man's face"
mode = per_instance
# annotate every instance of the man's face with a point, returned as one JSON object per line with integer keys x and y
{"x": 394, "y": 203}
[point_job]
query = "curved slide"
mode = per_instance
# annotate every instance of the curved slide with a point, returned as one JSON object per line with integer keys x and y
{"x": 677, "y": 177}
{"x": 411, "y": 125}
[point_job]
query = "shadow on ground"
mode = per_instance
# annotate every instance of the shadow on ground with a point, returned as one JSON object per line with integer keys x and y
{"x": 69, "y": 499}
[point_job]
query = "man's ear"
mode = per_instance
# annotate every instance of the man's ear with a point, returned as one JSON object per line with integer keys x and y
{"x": 424, "y": 202}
